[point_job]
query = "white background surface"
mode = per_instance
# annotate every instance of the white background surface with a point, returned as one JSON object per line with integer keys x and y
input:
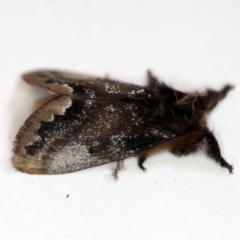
{"x": 190, "y": 44}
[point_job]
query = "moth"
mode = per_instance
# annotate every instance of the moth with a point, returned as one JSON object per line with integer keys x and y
{"x": 89, "y": 121}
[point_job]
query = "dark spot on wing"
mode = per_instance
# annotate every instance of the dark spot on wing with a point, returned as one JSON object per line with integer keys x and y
{"x": 54, "y": 130}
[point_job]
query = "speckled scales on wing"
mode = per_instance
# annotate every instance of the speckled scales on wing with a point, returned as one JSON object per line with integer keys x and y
{"x": 87, "y": 87}
{"x": 67, "y": 134}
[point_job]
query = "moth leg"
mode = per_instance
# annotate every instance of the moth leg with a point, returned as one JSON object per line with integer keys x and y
{"x": 119, "y": 167}
{"x": 215, "y": 96}
{"x": 141, "y": 160}
{"x": 213, "y": 151}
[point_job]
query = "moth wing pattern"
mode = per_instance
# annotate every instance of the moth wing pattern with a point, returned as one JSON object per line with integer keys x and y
{"x": 86, "y": 86}
{"x": 91, "y": 121}
{"x": 68, "y": 134}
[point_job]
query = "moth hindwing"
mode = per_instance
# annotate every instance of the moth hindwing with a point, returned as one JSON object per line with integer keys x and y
{"x": 90, "y": 121}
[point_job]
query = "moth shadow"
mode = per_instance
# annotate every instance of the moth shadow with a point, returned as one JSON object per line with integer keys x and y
{"x": 21, "y": 105}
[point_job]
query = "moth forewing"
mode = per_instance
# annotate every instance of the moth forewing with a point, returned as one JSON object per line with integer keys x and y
{"x": 84, "y": 133}
{"x": 87, "y": 87}
{"x": 27, "y": 136}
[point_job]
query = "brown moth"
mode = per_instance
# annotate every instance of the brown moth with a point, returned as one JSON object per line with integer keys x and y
{"x": 90, "y": 121}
